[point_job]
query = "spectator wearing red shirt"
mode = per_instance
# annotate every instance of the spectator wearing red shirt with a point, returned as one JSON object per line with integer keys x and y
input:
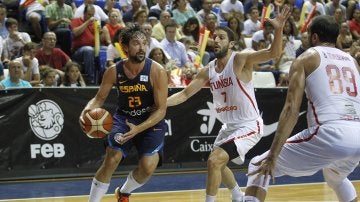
{"x": 84, "y": 41}
{"x": 49, "y": 55}
{"x": 354, "y": 24}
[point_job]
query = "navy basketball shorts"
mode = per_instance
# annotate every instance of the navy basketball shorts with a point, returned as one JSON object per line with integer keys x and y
{"x": 147, "y": 143}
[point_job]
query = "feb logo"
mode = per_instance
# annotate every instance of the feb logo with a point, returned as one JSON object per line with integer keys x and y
{"x": 46, "y": 119}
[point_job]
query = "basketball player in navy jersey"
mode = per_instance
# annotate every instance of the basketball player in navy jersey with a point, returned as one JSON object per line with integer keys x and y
{"x": 139, "y": 119}
{"x": 331, "y": 143}
{"x": 234, "y": 100}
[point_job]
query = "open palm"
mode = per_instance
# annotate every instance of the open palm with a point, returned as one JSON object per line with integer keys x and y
{"x": 281, "y": 18}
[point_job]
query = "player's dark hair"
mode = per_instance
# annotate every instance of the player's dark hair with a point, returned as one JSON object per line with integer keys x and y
{"x": 229, "y": 32}
{"x": 325, "y": 27}
{"x": 129, "y": 32}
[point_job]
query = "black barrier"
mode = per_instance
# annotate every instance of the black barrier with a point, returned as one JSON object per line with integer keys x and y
{"x": 40, "y": 134}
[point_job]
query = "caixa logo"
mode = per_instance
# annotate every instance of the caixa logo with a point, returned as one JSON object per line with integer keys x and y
{"x": 46, "y": 120}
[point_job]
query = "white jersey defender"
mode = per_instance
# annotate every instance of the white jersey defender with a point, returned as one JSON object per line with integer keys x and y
{"x": 236, "y": 106}
{"x": 331, "y": 142}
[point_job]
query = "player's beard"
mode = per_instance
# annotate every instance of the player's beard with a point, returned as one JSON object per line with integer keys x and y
{"x": 138, "y": 58}
{"x": 222, "y": 53}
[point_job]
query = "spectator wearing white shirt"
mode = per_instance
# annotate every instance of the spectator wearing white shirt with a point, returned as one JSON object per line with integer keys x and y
{"x": 264, "y": 34}
{"x": 30, "y": 64}
{"x": 231, "y": 7}
{"x": 252, "y": 24}
{"x": 99, "y": 12}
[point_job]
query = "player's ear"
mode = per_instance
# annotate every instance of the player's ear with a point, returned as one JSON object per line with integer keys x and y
{"x": 231, "y": 44}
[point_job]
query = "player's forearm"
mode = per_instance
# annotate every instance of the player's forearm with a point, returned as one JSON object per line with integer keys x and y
{"x": 176, "y": 99}
{"x": 276, "y": 46}
{"x": 287, "y": 121}
{"x": 154, "y": 118}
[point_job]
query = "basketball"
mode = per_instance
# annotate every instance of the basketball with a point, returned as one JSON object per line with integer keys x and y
{"x": 98, "y": 123}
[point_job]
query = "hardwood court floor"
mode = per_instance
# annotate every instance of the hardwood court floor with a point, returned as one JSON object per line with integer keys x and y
{"x": 288, "y": 192}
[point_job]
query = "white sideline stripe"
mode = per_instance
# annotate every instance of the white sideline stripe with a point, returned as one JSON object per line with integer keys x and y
{"x": 142, "y": 193}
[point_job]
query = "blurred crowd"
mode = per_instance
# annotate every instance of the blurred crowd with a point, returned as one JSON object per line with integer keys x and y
{"x": 51, "y": 43}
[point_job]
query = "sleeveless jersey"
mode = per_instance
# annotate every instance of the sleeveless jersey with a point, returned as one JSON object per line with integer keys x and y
{"x": 135, "y": 96}
{"x": 234, "y": 100}
{"x": 332, "y": 88}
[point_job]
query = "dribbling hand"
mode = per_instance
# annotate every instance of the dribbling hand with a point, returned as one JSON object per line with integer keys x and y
{"x": 123, "y": 138}
{"x": 266, "y": 169}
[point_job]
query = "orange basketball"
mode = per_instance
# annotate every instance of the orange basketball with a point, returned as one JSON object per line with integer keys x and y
{"x": 98, "y": 123}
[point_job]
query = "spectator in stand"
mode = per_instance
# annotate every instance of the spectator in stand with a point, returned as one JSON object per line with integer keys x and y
{"x": 158, "y": 55}
{"x": 332, "y": 5}
{"x": 58, "y": 16}
{"x": 34, "y": 12}
{"x": 73, "y": 77}
{"x": 350, "y": 6}
{"x": 191, "y": 29}
{"x": 110, "y": 28}
{"x": 304, "y": 44}
{"x": 126, "y": 5}
{"x": 252, "y": 24}
{"x": 140, "y": 17}
{"x": 158, "y": 31}
{"x": 345, "y": 39}
{"x": 3, "y": 13}
{"x": 112, "y": 54}
{"x": 264, "y": 34}
{"x": 99, "y": 13}
{"x": 15, "y": 41}
{"x": 236, "y": 26}
{"x": 231, "y": 8}
{"x": 84, "y": 41}
{"x": 354, "y": 24}
{"x": 210, "y": 25}
{"x": 29, "y": 64}
{"x": 174, "y": 48}
{"x": 128, "y": 15}
{"x": 50, "y": 56}
{"x": 310, "y": 5}
{"x": 181, "y": 12}
{"x": 48, "y": 77}
{"x": 72, "y": 4}
{"x": 248, "y": 5}
{"x": 338, "y": 15}
{"x": 150, "y": 41}
{"x": 110, "y": 6}
{"x": 162, "y": 5}
{"x": 14, "y": 79}
{"x": 295, "y": 15}
{"x": 206, "y": 9}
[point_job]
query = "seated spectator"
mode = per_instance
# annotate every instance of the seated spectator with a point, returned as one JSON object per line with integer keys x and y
{"x": 127, "y": 5}
{"x": 51, "y": 56}
{"x": 338, "y": 15}
{"x": 158, "y": 31}
{"x": 13, "y": 44}
{"x": 236, "y": 26}
{"x": 161, "y": 5}
{"x": 252, "y": 24}
{"x": 110, "y": 28}
{"x": 210, "y": 25}
{"x": 283, "y": 63}
{"x": 206, "y": 9}
{"x": 3, "y": 13}
{"x": 14, "y": 79}
{"x": 136, "y": 5}
{"x": 150, "y": 41}
{"x": 73, "y": 77}
{"x": 84, "y": 41}
{"x": 30, "y": 64}
{"x": 174, "y": 48}
{"x": 158, "y": 55}
{"x": 34, "y": 12}
{"x": 99, "y": 14}
{"x": 231, "y": 8}
{"x": 265, "y": 34}
{"x": 140, "y": 17}
{"x": 311, "y": 4}
{"x": 331, "y": 6}
{"x": 354, "y": 24}
{"x": 112, "y": 54}
{"x": 58, "y": 17}
{"x": 191, "y": 29}
{"x": 48, "y": 78}
{"x": 110, "y": 6}
{"x": 345, "y": 39}
{"x": 181, "y": 12}
{"x": 304, "y": 44}
{"x": 248, "y": 5}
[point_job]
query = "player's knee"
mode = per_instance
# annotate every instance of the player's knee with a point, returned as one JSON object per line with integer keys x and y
{"x": 215, "y": 162}
{"x": 332, "y": 177}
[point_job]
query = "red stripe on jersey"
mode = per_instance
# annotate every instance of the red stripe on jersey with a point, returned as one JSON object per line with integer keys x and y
{"x": 304, "y": 140}
{"x": 241, "y": 136}
{"x": 314, "y": 112}
{"x": 246, "y": 94}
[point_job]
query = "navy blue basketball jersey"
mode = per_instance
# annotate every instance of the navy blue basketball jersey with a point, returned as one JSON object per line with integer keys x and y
{"x": 135, "y": 96}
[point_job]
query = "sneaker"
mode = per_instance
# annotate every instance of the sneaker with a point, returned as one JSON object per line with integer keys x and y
{"x": 121, "y": 197}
